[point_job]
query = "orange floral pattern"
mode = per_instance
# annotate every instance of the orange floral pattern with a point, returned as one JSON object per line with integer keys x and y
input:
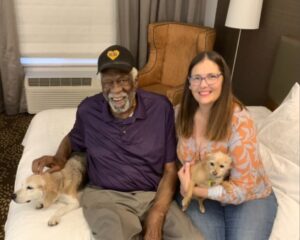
{"x": 247, "y": 176}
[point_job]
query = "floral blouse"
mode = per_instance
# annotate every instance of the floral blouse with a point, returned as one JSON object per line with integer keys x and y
{"x": 247, "y": 176}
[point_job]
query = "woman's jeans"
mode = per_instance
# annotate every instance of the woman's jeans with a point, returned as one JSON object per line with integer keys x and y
{"x": 247, "y": 221}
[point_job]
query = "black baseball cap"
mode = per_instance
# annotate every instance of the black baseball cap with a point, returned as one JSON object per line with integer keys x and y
{"x": 115, "y": 57}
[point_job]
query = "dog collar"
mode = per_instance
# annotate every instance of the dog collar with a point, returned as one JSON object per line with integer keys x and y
{"x": 210, "y": 183}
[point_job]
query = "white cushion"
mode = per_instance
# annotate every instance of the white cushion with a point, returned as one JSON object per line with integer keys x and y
{"x": 280, "y": 130}
{"x": 278, "y": 136}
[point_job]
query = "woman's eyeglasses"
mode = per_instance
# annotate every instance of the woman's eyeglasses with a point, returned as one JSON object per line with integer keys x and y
{"x": 210, "y": 79}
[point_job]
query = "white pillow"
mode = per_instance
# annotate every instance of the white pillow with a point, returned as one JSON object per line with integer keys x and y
{"x": 280, "y": 130}
{"x": 278, "y": 136}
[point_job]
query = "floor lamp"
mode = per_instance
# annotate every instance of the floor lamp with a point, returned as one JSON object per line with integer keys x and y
{"x": 243, "y": 14}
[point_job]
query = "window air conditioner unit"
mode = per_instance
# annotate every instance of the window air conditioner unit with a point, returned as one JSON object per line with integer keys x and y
{"x": 59, "y": 86}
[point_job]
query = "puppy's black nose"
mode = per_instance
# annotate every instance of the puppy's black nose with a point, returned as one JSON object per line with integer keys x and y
{"x": 13, "y": 196}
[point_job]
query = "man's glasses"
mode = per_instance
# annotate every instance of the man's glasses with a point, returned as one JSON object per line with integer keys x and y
{"x": 122, "y": 81}
{"x": 210, "y": 79}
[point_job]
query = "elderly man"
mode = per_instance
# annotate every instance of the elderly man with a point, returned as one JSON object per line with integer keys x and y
{"x": 129, "y": 139}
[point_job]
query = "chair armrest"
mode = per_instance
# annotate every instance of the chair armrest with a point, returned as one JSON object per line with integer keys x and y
{"x": 175, "y": 94}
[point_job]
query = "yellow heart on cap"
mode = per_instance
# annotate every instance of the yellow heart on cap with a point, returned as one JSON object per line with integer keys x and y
{"x": 113, "y": 54}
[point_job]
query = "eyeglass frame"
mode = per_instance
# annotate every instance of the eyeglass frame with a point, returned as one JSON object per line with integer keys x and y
{"x": 197, "y": 82}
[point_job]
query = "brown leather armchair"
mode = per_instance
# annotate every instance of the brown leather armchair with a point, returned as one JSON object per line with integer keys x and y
{"x": 172, "y": 47}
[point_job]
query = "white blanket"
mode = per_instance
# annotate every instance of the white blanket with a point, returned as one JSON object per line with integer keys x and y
{"x": 43, "y": 136}
{"x": 49, "y": 127}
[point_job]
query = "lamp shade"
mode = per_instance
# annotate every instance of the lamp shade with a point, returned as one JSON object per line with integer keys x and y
{"x": 244, "y": 14}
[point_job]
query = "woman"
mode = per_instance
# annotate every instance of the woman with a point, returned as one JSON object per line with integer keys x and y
{"x": 211, "y": 119}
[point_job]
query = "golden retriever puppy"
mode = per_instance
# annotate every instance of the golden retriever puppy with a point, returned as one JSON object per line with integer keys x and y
{"x": 206, "y": 173}
{"x": 47, "y": 188}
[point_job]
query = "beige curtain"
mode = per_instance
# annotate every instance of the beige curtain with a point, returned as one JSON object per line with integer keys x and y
{"x": 135, "y": 15}
{"x": 11, "y": 71}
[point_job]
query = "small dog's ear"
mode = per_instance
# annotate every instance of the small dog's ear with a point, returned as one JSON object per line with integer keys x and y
{"x": 50, "y": 191}
{"x": 49, "y": 198}
{"x": 230, "y": 159}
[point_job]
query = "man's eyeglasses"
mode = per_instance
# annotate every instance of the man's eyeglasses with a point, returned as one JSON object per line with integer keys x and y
{"x": 210, "y": 79}
{"x": 122, "y": 81}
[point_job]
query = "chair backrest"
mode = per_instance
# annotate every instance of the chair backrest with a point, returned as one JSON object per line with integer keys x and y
{"x": 174, "y": 45}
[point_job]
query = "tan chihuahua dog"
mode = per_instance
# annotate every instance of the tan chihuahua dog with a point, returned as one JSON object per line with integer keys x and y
{"x": 206, "y": 173}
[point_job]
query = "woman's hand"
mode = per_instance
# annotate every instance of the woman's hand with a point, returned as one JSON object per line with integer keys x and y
{"x": 184, "y": 175}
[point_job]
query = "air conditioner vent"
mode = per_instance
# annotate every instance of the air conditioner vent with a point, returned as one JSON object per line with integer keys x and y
{"x": 51, "y": 87}
{"x": 55, "y": 82}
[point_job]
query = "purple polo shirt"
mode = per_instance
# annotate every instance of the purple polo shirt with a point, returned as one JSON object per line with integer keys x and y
{"x": 126, "y": 155}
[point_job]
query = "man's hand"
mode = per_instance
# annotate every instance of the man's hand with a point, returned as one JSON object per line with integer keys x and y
{"x": 51, "y": 162}
{"x": 155, "y": 219}
{"x": 184, "y": 175}
{"x": 153, "y": 225}
{"x": 56, "y": 162}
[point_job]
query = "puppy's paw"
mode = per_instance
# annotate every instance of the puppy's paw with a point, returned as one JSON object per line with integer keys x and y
{"x": 53, "y": 221}
{"x": 185, "y": 203}
{"x": 202, "y": 208}
{"x": 227, "y": 186}
{"x": 39, "y": 206}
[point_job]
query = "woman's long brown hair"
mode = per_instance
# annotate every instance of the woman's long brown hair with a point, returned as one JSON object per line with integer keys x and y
{"x": 219, "y": 122}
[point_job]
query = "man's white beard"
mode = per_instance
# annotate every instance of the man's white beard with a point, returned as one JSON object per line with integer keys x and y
{"x": 121, "y": 109}
{"x": 128, "y": 103}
